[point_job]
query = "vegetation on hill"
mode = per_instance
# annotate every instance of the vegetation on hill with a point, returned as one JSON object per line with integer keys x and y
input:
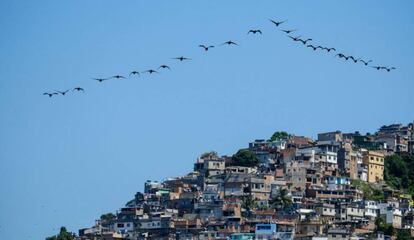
{"x": 108, "y": 217}
{"x": 399, "y": 172}
{"x": 245, "y": 158}
{"x": 371, "y": 192}
{"x": 279, "y": 135}
{"x": 63, "y": 235}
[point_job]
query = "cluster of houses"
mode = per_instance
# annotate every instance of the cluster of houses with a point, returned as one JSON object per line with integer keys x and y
{"x": 299, "y": 188}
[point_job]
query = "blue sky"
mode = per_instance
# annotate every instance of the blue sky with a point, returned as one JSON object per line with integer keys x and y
{"x": 66, "y": 160}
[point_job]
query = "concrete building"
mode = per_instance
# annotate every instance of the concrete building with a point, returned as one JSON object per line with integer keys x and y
{"x": 374, "y": 161}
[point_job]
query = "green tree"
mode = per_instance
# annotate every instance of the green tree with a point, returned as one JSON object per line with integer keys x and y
{"x": 63, "y": 235}
{"x": 279, "y": 135}
{"x": 245, "y": 158}
{"x": 107, "y": 217}
{"x": 282, "y": 200}
{"x": 381, "y": 226}
{"x": 399, "y": 172}
{"x": 212, "y": 154}
{"x": 248, "y": 203}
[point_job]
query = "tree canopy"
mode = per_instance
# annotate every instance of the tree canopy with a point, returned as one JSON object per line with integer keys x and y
{"x": 279, "y": 135}
{"x": 245, "y": 158}
{"x": 108, "y": 216}
{"x": 63, "y": 235}
{"x": 399, "y": 172}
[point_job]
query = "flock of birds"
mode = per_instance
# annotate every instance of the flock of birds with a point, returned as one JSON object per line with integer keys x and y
{"x": 206, "y": 48}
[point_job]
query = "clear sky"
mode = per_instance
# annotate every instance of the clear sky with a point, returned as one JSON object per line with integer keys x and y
{"x": 66, "y": 160}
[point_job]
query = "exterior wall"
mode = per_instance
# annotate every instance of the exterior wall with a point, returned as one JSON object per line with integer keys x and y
{"x": 375, "y": 164}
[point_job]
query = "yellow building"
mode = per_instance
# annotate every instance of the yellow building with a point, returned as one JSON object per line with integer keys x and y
{"x": 375, "y": 164}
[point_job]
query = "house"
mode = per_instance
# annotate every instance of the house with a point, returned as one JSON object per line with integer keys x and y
{"x": 374, "y": 161}
{"x": 265, "y": 231}
{"x": 339, "y": 234}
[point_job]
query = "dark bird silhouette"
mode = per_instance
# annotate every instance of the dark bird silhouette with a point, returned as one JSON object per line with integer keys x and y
{"x": 63, "y": 93}
{"x": 340, "y": 55}
{"x": 377, "y": 67}
{"x": 305, "y": 41}
{"x": 134, "y": 73}
{"x": 254, "y": 31}
{"x": 164, "y": 66}
{"x": 50, "y": 94}
{"x": 230, "y": 43}
{"x": 206, "y": 48}
{"x": 354, "y": 59}
{"x": 78, "y": 89}
{"x": 365, "y": 62}
{"x": 182, "y": 58}
{"x": 295, "y": 38}
{"x": 100, "y": 79}
{"x": 150, "y": 71}
{"x": 389, "y": 69}
{"x": 277, "y": 23}
{"x": 118, "y": 76}
{"x": 329, "y": 49}
{"x": 288, "y": 31}
{"x": 313, "y": 47}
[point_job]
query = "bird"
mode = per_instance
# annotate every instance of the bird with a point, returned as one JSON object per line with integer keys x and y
{"x": 134, "y": 73}
{"x": 314, "y": 48}
{"x": 288, "y": 31}
{"x": 229, "y": 43}
{"x": 100, "y": 79}
{"x": 63, "y": 93}
{"x": 354, "y": 59}
{"x": 50, "y": 94}
{"x": 254, "y": 31}
{"x": 389, "y": 69}
{"x": 377, "y": 67}
{"x": 295, "y": 38}
{"x": 182, "y": 58}
{"x": 164, "y": 66}
{"x": 118, "y": 76}
{"x": 276, "y": 22}
{"x": 365, "y": 62}
{"x": 206, "y": 48}
{"x": 305, "y": 41}
{"x": 329, "y": 49}
{"x": 78, "y": 89}
{"x": 340, "y": 55}
{"x": 150, "y": 71}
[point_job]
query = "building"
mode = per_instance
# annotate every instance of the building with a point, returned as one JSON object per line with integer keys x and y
{"x": 374, "y": 161}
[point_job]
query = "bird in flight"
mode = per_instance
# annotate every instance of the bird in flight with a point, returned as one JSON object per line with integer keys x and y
{"x": 354, "y": 59}
{"x": 329, "y": 49}
{"x": 134, "y": 73}
{"x": 164, "y": 66}
{"x": 377, "y": 67}
{"x": 100, "y": 79}
{"x": 50, "y": 94}
{"x": 295, "y": 38}
{"x": 254, "y": 31}
{"x": 182, "y": 58}
{"x": 389, "y": 69}
{"x": 206, "y": 48}
{"x": 276, "y": 22}
{"x": 305, "y": 41}
{"x": 340, "y": 55}
{"x": 63, "y": 93}
{"x": 365, "y": 62}
{"x": 150, "y": 71}
{"x": 118, "y": 76}
{"x": 288, "y": 31}
{"x": 230, "y": 43}
{"x": 313, "y": 47}
{"x": 78, "y": 89}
